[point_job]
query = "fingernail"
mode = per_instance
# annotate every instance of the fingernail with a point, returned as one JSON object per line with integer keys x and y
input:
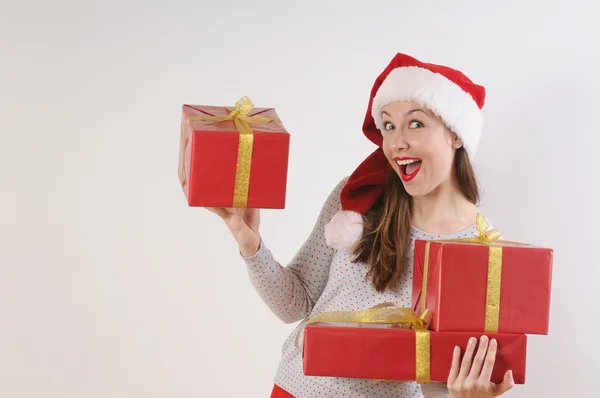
{"x": 493, "y": 343}
{"x": 456, "y": 349}
{"x": 472, "y": 341}
{"x": 484, "y": 339}
{"x": 510, "y": 375}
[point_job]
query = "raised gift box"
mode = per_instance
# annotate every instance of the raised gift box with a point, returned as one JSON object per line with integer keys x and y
{"x": 233, "y": 156}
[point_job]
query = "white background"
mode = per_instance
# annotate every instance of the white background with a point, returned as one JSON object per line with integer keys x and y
{"x": 110, "y": 286}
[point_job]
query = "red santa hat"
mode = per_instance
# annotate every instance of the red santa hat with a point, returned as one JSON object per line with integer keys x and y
{"x": 445, "y": 91}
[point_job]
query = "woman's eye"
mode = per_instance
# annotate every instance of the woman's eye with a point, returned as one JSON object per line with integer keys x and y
{"x": 388, "y": 126}
{"x": 415, "y": 124}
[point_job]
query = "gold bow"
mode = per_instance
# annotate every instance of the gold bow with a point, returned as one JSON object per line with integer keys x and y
{"x": 243, "y": 121}
{"x": 391, "y": 314}
{"x": 484, "y": 236}
{"x": 387, "y": 313}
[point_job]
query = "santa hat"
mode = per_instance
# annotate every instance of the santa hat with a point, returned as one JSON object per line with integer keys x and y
{"x": 445, "y": 91}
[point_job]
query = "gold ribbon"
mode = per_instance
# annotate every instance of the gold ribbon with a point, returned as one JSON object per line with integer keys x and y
{"x": 242, "y": 121}
{"x": 494, "y": 276}
{"x": 390, "y": 314}
{"x": 423, "y": 356}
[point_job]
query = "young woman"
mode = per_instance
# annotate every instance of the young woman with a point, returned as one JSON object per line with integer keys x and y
{"x": 426, "y": 121}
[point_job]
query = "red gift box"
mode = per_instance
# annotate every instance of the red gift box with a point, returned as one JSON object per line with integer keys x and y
{"x": 493, "y": 287}
{"x": 233, "y": 156}
{"x": 386, "y": 353}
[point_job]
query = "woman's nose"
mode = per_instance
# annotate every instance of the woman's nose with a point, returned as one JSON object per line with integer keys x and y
{"x": 398, "y": 141}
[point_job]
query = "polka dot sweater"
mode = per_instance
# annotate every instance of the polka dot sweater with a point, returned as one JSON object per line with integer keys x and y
{"x": 320, "y": 278}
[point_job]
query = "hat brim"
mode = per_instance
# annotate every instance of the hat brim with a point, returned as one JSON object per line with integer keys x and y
{"x": 434, "y": 91}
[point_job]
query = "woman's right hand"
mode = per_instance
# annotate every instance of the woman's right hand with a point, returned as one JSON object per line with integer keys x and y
{"x": 243, "y": 224}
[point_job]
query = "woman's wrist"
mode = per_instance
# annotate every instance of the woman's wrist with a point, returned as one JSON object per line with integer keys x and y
{"x": 250, "y": 250}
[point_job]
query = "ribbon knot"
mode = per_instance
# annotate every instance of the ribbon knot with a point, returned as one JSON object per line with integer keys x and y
{"x": 242, "y": 107}
{"x": 482, "y": 226}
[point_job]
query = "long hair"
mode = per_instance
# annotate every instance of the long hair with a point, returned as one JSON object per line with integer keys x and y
{"x": 386, "y": 239}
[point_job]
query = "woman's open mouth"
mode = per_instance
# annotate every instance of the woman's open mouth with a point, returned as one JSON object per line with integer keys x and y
{"x": 409, "y": 167}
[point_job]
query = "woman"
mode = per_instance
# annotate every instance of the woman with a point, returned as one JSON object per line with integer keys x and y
{"x": 426, "y": 122}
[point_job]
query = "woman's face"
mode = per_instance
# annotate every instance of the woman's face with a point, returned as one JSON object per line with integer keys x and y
{"x": 419, "y": 146}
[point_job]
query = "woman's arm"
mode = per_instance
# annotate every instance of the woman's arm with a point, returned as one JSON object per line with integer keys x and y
{"x": 291, "y": 291}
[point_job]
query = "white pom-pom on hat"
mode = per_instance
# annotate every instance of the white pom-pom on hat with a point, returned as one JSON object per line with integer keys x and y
{"x": 344, "y": 230}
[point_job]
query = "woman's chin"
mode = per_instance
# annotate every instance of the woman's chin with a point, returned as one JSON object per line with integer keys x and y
{"x": 412, "y": 186}
{"x": 414, "y": 191}
{"x": 416, "y": 188}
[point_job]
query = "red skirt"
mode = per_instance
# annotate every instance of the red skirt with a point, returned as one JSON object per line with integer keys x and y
{"x": 279, "y": 392}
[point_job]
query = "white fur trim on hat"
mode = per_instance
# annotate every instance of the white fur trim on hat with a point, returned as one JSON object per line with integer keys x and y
{"x": 344, "y": 230}
{"x": 436, "y": 92}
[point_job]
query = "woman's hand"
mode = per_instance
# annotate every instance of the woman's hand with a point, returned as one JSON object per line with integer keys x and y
{"x": 243, "y": 225}
{"x": 472, "y": 377}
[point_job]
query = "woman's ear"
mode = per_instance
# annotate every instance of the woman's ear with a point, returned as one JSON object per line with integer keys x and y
{"x": 456, "y": 141}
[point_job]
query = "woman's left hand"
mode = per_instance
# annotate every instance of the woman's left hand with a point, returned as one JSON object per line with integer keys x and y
{"x": 471, "y": 378}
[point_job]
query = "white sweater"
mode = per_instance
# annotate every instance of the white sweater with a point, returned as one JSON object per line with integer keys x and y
{"x": 320, "y": 278}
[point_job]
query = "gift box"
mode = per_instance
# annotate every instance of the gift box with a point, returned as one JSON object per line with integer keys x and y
{"x": 398, "y": 354}
{"x": 483, "y": 284}
{"x": 233, "y": 156}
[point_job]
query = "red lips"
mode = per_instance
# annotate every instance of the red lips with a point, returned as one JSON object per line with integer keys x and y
{"x": 408, "y": 176}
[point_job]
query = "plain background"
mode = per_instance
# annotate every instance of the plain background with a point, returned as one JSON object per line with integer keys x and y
{"x": 110, "y": 286}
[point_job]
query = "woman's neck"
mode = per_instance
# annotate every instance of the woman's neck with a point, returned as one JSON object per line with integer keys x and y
{"x": 442, "y": 212}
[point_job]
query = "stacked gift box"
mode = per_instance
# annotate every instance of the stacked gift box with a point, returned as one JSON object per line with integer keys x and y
{"x": 461, "y": 289}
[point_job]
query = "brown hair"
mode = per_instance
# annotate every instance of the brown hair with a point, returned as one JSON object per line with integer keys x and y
{"x": 386, "y": 237}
